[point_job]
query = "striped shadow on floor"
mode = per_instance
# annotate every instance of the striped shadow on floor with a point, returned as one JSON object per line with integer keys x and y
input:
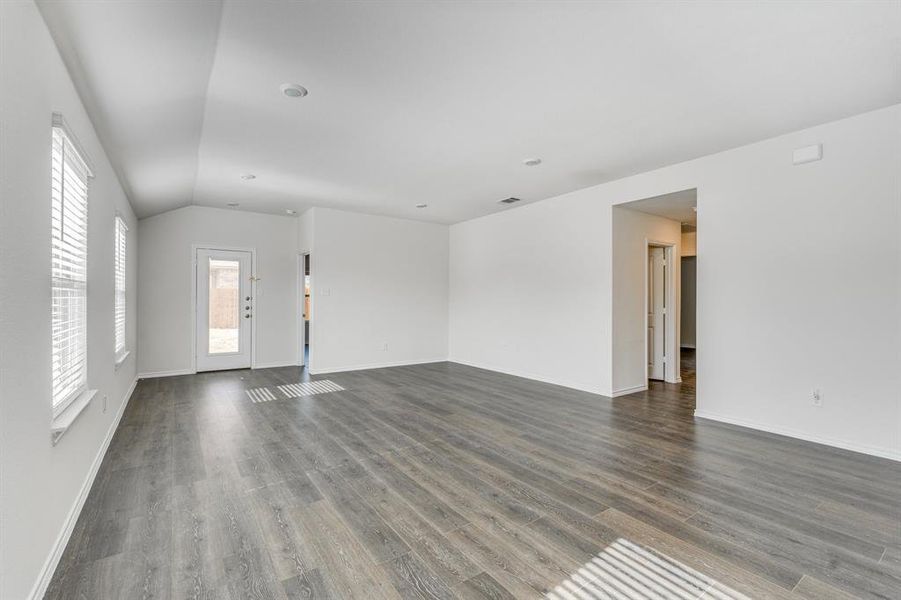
{"x": 308, "y": 388}
{"x": 292, "y": 390}
{"x": 261, "y": 394}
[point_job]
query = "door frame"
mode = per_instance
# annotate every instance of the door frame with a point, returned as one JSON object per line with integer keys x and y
{"x": 301, "y": 337}
{"x": 671, "y": 372}
{"x": 253, "y": 294}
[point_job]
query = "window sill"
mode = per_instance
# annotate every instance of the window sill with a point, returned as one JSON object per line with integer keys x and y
{"x": 121, "y": 360}
{"x": 61, "y": 424}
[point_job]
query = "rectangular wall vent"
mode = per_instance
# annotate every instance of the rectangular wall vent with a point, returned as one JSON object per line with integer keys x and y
{"x": 808, "y": 154}
{"x": 509, "y": 200}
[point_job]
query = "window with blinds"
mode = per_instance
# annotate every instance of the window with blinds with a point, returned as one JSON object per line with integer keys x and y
{"x": 119, "y": 312}
{"x": 68, "y": 269}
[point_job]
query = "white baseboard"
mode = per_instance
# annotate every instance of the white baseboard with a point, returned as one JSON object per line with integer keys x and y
{"x": 629, "y": 390}
{"x": 402, "y": 363}
{"x": 582, "y": 387}
{"x": 801, "y": 435}
{"x": 276, "y": 365}
{"x": 175, "y": 373}
{"x": 49, "y": 568}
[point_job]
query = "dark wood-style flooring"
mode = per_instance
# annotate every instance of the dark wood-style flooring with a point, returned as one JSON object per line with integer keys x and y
{"x": 445, "y": 481}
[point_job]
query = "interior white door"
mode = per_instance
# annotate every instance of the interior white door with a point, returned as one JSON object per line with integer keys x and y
{"x": 224, "y": 309}
{"x": 656, "y": 312}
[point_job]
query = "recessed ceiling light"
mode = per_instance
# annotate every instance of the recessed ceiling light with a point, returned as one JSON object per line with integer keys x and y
{"x": 532, "y": 162}
{"x": 421, "y": 205}
{"x": 293, "y": 90}
{"x": 233, "y": 205}
{"x": 248, "y": 176}
{"x": 290, "y": 211}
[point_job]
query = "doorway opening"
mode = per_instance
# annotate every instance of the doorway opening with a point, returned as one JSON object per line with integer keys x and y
{"x": 688, "y": 295}
{"x": 652, "y": 239}
{"x": 223, "y": 309}
{"x": 306, "y": 310}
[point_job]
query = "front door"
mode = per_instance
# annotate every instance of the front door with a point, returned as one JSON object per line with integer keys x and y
{"x": 224, "y": 309}
{"x": 656, "y": 312}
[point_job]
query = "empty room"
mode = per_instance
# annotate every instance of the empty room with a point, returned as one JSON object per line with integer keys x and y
{"x": 576, "y": 300}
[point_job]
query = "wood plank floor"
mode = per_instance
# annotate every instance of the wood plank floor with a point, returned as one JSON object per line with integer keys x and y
{"x": 445, "y": 481}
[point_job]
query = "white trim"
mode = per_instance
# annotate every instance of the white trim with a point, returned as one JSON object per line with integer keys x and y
{"x": 57, "y": 120}
{"x": 63, "y": 406}
{"x": 690, "y": 346}
{"x": 629, "y": 390}
{"x": 276, "y": 365}
{"x": 174, "y": 373}
{"x": 66, "y": 417}
{"x": 253, "y": 294}
{"x": 40, "y": 586}
{"x": 121, "y": 216}
{"x": 801, "y": 435}
{"x": 121, "y": 360}
{"x": 402, "y": 363}
{"x": 582, "y": 387}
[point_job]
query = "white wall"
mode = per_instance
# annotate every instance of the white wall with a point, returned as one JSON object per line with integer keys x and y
{"x": 632, "y": 231}
{"x": 816, "y": 306}
{"x": 42, "y": 484}
{"x": 305, "y": 229}
{"x": 376, "y": 281}
{"x": 166, "y": 276}
{"x": 530, "y": 292}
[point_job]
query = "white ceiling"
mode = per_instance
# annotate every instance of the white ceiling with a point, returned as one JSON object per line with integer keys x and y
{"x": 440, "y": 102}
{"x": 678, "y": 206}
{"x": 142, "y": 70}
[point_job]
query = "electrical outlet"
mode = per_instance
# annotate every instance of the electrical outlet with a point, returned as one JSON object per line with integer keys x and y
{"x": 817, "y": 398}
{"x": 385, "y": 347}
{"x": 105, "y": 397}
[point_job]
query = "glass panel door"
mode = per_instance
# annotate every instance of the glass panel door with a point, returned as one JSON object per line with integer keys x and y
{"x": 224, "y": 309}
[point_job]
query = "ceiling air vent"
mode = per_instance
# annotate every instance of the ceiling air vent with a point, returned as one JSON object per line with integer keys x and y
{"x": 509, "y": 200}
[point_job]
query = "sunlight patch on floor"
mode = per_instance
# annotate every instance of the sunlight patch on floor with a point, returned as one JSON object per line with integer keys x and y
{"x": 292, "y": 390}
{"x": 308, "y": 388}
{"x": 626, "y": 571}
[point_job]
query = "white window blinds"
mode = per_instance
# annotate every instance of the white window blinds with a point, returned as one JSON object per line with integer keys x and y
{"x": 68, "y": 270}
{"x": 119, "y": 312}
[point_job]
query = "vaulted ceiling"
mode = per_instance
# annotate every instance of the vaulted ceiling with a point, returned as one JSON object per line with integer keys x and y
{"x": 441, "y": 102}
